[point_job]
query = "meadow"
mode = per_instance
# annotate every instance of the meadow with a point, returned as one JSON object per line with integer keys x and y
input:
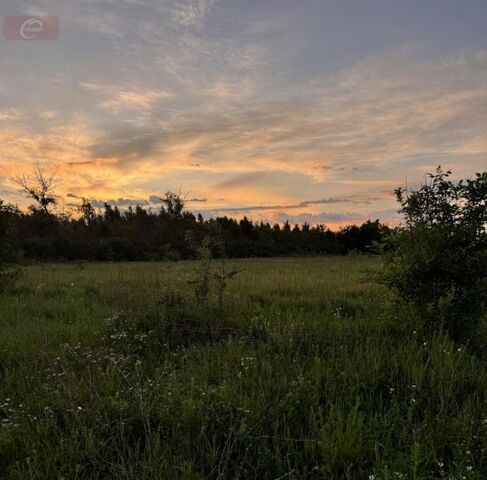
{"x": 305, "y": 370}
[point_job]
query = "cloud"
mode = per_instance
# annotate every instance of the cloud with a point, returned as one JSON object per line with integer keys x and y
{"x": 127, "y": 145}
{"x": 340, "y": 219}
{"x": 234, "y": 89}
{"x": 192, "y": 13}
{"x": 126, "y": 202}
{"x": 367, "y": 117}
{"x": 155, "y": 199}
{"x": 352, "y": 199}
{"x": 120, "y": 202}
{"x": 117, "y": 98}
{"x": 10, "y": 114}
{"x": 81, "y": 164}
{"x": 317, "y": 218}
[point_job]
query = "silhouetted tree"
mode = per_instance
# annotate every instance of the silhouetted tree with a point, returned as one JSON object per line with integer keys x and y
{"x": 173, "y": 204}
{"x": 87, "y": 211}
{"x": 40, "y": 188}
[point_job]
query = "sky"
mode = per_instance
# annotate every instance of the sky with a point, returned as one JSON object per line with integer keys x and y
{"x": 308, "y": 111}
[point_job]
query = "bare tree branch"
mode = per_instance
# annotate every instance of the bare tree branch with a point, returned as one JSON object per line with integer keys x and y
{"x": 40, "y": 188}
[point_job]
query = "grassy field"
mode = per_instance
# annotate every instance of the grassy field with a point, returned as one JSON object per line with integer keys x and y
{"x": 307, "y": 372}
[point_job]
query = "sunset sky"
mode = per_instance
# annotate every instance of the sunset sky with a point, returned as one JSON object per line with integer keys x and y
{"x": 307, "y": 110}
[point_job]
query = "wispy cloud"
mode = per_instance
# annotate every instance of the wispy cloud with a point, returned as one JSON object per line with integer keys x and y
{"x": 192, "y": 12}
{"x": 117, "y": 98}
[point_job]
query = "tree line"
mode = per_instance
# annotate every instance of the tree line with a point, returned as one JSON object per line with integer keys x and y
{"x": 137, "y": 233}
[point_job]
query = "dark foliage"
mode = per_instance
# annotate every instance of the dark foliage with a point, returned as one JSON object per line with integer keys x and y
{"x": 141, "y": 234}
{"x": 8, "y": 274}
{"x": 438, "y": 259}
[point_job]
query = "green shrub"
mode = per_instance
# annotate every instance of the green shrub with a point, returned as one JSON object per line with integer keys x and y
{"x": 8, "y": 273}
{"x": 8, "y": 277}
{"x": 437, "y": 260}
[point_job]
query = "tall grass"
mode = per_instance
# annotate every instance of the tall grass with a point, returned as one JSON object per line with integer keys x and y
{"x": 111, "y": 371}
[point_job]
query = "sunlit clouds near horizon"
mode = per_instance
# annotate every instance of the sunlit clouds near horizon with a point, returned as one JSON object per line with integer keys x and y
{"x": 310, "y": 111}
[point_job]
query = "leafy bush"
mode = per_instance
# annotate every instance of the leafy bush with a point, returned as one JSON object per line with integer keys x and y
{"x": 8, "y": 273}
{"x": 202, "y": 318}
{"x": 8, "y": 277}
{"x": 438, "y": 259}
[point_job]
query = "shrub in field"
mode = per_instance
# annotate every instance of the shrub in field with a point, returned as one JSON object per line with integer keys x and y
{"x": 8, "y": 273}
{"x": 209, "y": 277}
{"x": 200, "y": 316}
{"x": 8, "y": 277}
{"x": 438, "y": 258}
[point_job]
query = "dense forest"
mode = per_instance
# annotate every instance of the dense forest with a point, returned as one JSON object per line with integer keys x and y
{"x": 170, "y": 232}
